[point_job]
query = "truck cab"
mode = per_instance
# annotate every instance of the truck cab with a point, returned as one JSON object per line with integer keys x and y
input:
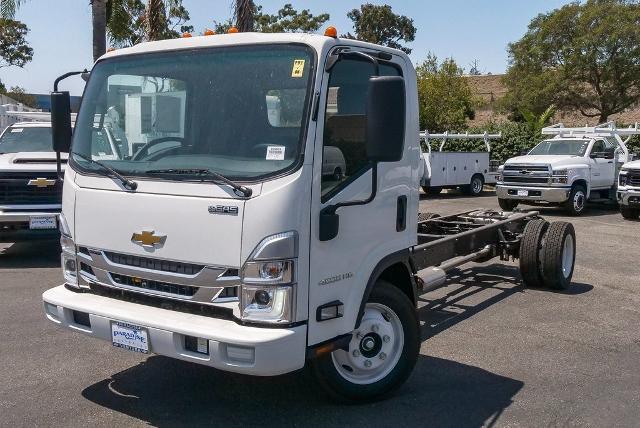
{"x": 30, "y": 192}
{"x": 629, "y": 190}
{"x": 573, "y": 167}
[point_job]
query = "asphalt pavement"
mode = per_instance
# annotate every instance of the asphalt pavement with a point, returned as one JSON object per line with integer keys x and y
{"x": 493, "y": 352}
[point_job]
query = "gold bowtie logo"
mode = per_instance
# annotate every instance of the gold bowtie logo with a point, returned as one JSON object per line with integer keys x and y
{"x": 41, "y": 182}
{"x": 148, "y": 238}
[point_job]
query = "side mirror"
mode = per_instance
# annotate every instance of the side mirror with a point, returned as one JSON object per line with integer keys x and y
{"x": 524, "y": 152}
{"x": 61, "y": 121}
{"x": 385, "y": 118}
{"x": 609, "y": 154}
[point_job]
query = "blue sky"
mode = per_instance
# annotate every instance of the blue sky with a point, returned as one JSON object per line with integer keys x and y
{"x": 462, "y": 29}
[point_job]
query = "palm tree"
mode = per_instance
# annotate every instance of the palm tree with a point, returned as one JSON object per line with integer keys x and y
{"x": 99, "y": 23}
{"x": 244, "y": 12}
{"x": 8, "y": 8}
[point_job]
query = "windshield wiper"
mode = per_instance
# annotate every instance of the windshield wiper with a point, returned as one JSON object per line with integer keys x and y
{"x": 128, "y": 184}
{"x": 246, "y": 191}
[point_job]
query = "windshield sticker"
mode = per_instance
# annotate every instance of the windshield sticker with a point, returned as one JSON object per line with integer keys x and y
{"x": 17, "y": 129}
{"x": 298, "y": 68}
{"x": 275, "y": 152}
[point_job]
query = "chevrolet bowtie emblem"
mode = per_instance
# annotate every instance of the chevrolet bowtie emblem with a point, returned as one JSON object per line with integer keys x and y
{"x": 41, "y": 182}
{"x": 148, "y": 238}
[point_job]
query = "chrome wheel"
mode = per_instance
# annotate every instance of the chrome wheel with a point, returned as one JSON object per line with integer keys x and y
{"x": 579, "y": 201}
{"x": 568, "y": 256}
{"x": 375, "y": 347}
{"x": 476, "y": 185}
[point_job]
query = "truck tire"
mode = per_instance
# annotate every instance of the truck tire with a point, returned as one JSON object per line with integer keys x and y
{"x": 507, "y": 204}
{"x": 475, "y": 187}
{"x": 431, "y": 190}
{"x": 382, "y": 352}
{"x": 531, "y": 253}
{"x": 577, "y": 201}
{"x": 559, "y": 255}
{"x": 629, "y": 213}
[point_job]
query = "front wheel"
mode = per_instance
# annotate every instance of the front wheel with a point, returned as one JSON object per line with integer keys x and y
{"x": 382, "y": 352}
{"x": 627, "y": 213}
{"x": 507, "y": 204}
{"x": 475, "y": 187}
{"x": 577, "y": 201}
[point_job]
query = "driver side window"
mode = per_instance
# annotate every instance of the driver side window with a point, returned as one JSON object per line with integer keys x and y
{"x": 598, "y": 148}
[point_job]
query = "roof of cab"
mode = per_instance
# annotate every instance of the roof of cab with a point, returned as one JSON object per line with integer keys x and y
{"x": 316, "y": 41}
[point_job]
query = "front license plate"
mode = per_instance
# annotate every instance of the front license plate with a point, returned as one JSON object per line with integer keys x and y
{"x": 129, "y": 336}
{"x": 44, "y": 222}
{"x": 523, "y": 193}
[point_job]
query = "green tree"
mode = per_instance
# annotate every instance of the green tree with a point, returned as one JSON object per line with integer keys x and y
{"x": 126, "y": 23}
{"x": 379, "y": 25}
{"x": 286, "y": 20}
{"x": 8, "y": 8}
{"x": 20, "y": 95}
{"x": 538, "y": 121}
{"x": 244, "y": 12}
{"x": 582, "y": 56}
{"x": 99, "y": 27}
{"x": 14, "y": 49}
{"x": 445, "y": 98}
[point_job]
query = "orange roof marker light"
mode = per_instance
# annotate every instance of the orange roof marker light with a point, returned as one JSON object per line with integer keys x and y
{"x": 209, "y": 32}
{"x": 186, "y": 34}
{"x": 111, "y": 49}
{"x": 233, "y": 30}
{"x": 331, "y": 32}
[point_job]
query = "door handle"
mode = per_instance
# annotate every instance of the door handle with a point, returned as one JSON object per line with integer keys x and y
{"x": 610, "y": 162}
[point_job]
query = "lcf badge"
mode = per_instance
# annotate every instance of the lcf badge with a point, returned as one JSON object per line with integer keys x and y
{"x": 298, "y": 68}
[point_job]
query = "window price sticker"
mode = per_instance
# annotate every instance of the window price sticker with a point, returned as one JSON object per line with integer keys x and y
{"x": 298, "y": 68}
{"x": 275, "y": 152}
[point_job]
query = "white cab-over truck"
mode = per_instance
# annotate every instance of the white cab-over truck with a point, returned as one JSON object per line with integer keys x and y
{"x": 228, "y": 245}
{"x": 573, "y": 167}
{"x": 30, "y": 193}
{"x": 628, "y": 193}
{"x": 468, "y": 171}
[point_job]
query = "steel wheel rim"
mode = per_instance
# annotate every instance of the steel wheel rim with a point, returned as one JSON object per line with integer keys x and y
{"x": 371, "y": 359}
{"x": 477, "y": 185}
{"x": 568, "y": 251}
{"x": 578, "y": 201}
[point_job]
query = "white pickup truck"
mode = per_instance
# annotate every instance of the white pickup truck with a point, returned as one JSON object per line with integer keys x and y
{"x": 468, "y": 171}
{"x": 228, "y": 245}
{"x": 573, "y": 167}
{"x": 629, "y": 190}
{"x": 30, "y": 193}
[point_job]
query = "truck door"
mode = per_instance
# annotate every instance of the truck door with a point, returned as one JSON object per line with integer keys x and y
{"x": 340, "y": 267}
{"x": 602, "y": 170}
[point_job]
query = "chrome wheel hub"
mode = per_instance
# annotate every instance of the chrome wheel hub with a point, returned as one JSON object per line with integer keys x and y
{"x": 375, "y": 347}
{"x": 578, "y": 201}
{"x": 567, "y": 256}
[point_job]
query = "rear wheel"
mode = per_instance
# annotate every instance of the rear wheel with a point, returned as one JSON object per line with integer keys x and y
{"x": 507, "y": 204}
{"x": 475, "y": 187}
{"x": 431, "y": 190}
{"x": 559, "y": 255}
{"x": 530, "y": 253}
{"x": 382, "y": 352}
{"x": 577, "y": 202}
{"x": 629, "y": 213}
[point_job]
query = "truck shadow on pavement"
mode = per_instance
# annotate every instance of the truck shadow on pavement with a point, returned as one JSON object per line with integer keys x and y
{"x": 30, "y": 254}
{"x": 166, "y": 392}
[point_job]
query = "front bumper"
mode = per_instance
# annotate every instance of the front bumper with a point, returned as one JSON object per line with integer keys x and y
{"x": 14, "y": 226}
{"x": 629, "y": 197}
{"x": 232, "y": 347}
{"x": 541, "y": 194}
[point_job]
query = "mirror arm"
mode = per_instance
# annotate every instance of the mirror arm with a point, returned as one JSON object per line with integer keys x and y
{"x": 65, "y": 75}
{"x": 331, "y": 209}
{"x": 333, "y": 59}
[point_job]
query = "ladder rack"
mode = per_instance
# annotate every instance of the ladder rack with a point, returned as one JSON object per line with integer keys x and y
{"x": 466, "y": 136}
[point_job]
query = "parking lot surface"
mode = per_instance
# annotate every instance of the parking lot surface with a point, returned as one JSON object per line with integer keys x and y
{"x": 493, "y": 352}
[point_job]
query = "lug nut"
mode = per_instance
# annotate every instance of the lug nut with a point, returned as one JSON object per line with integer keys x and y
{"x": 356, "y": 353}
{"x": 382, "y": 355}
{"x": 367, "y": 363}
{"x": 374, "y": 328}
{"x": 386, "y": 338}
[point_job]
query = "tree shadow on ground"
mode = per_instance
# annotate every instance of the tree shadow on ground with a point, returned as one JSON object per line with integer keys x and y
{"x": 30, "y": 254}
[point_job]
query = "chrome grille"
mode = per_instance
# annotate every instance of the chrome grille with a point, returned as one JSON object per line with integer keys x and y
{"x": 154, "y": 264}
{"x": 526, "y": 174}
{"x": 14, "y": 189}
{"x": 151, "y": 285}
{"x": 633, "y": 178}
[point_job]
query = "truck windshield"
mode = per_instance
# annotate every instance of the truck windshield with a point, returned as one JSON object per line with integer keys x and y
{"x": 26, "y": 139}
{"x": 238, "y": 111}
{"x": 561, "y": 147}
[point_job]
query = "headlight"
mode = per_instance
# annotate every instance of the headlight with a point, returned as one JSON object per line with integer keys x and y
{"x": 269, "y": 280}
{"x": 68, "y": 257}
{"x": 622, "y": 180}
{"x": 560, "y": 176}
